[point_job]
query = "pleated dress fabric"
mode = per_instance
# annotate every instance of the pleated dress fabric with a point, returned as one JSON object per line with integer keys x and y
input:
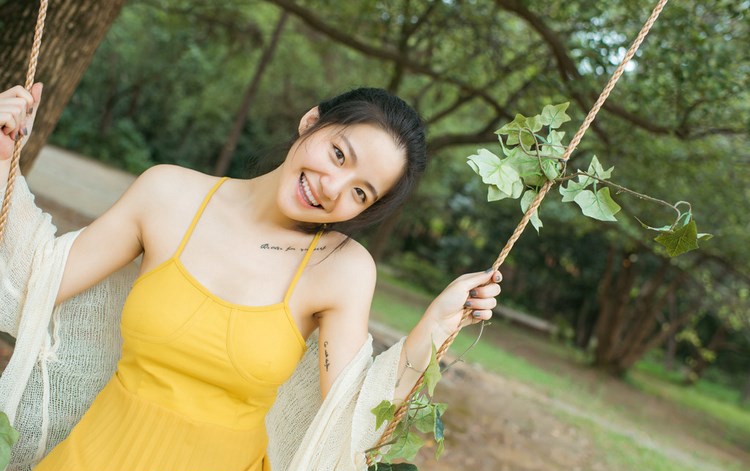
{"x": 197, "y": 376}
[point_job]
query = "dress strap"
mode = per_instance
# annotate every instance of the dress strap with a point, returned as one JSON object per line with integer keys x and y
{"x": 302, "y": 265}
{"x": 198, "y": 216}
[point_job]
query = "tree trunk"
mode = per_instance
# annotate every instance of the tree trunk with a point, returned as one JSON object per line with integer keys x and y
{"x": 629, "y": 323}
{"x": 230, "y": 144}
{"x": 745, "y": 397}
{"x": 73, "y": 30}
{"x": 718, "y": 339}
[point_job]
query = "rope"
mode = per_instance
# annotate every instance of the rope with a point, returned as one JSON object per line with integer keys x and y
{"x": 404, "y": 407}
{"x": 30, "y": 73}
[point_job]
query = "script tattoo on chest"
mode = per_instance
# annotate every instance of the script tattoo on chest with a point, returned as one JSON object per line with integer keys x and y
{"x": 279, "y": 248}
{"x": 325, "y": 351}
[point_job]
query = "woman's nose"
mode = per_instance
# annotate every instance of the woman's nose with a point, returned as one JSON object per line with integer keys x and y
{"x": 332, "y": 186}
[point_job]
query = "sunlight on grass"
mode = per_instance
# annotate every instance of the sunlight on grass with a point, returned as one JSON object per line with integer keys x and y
{"x": 709, "y": 399}
{"x": 623, "y": 452}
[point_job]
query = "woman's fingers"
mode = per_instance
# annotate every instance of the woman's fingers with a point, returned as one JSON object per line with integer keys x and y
{"x": 19, "y": 92}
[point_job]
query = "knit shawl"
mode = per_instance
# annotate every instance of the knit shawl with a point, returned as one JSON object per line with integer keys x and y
{"x": 65, "y": 355}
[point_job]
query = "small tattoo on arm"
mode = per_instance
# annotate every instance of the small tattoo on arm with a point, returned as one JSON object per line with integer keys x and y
{"x": 325, "y": 350}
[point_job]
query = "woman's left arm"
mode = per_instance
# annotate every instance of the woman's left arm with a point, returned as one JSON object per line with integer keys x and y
{"x": 343, "y": 326}
{"x": 476, "y": 291}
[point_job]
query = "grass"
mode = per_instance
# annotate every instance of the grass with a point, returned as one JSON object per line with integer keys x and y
{"x": 714, "y": 401}
{"x": 622, "y": 451}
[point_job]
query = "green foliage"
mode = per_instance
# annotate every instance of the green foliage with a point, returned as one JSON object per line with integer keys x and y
{"x": 533, "y": 157}
{"x": 8, "y": 437}
{"x": 423, "y": 415}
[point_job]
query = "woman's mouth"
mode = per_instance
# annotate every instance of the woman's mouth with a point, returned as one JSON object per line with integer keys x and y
{"x": 306, "y": 193}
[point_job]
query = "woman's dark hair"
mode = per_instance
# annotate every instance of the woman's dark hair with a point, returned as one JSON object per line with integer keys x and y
{"x": 393, "y": 115}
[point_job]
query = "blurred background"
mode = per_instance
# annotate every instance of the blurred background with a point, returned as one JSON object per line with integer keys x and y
{"x": 605, "y": 354}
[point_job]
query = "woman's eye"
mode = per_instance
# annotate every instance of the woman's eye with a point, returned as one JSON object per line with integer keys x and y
{"x": 361, "y": 194}
{"x": 339, "y": 155}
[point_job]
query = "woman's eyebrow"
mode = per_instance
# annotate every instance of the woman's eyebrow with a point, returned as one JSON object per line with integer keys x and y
{"x": 353, "y": 156}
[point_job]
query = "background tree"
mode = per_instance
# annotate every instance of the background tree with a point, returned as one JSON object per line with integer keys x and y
{"x": 72, "y": 33}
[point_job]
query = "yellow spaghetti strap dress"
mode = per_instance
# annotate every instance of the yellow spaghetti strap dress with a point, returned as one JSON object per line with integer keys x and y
{"x": 197, "y": 376}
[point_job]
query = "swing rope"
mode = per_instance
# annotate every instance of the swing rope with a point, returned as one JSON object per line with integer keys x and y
{"x": 30, "y": 73}
{"x": 404, "y": 407}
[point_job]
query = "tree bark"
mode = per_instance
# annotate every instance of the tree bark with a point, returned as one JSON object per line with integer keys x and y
{"x": 73, "y": 30}
{"x": 230, "y": 144}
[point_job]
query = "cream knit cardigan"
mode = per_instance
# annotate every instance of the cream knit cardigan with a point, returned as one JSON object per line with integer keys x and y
{"x": 66, "y": 354}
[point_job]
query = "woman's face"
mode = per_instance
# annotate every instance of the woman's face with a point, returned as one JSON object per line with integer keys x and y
{"x": 337, "y": 172}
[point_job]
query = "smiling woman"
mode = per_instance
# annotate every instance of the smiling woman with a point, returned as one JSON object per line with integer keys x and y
{"x": 235, "y": 297}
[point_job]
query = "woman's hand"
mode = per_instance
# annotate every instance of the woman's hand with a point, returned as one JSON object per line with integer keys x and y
{"x": 18, "y": 109}
{"x": 475, "y": 291}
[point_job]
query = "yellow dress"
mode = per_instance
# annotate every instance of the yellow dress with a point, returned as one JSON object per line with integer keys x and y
{"x": 197, "y": 376}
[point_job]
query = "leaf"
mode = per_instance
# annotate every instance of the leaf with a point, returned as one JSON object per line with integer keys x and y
{"x": 526, "y": 201}
{"x": 596, "y": 169}
{"x": 705, "y": 236}
{"x": 680, "y": 240}
{"x": 432, "y": 374}
{"x": 570, "y": 192}
{"x": 392, "y": 467}
{"x": 439, "y": 425}
{"x": 439, "y": 449}
{"x": 8, "y": 437}
{"x": 534, "y": 123}
{"x": 549, "y": 167}
{"x": 384, "y": 412}
{"x": 407, "y": 446}
{"x": 554, "y": 115}
{"x": 599, "y": 205}
{"x": 511, "y": 129}
{"x": 494, "y": 171}
{"x": 554, "y": 146}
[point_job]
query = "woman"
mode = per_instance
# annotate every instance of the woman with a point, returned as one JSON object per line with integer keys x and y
{"x": 236, "y": 276}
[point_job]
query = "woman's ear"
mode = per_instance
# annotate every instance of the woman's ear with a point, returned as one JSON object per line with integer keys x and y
{"x": 309, "y": 119}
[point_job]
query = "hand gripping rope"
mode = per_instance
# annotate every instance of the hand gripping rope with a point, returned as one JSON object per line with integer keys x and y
{"x": 31, "y": 71}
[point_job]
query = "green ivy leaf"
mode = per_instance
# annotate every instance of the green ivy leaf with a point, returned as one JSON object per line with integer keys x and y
{"x": 680, "y": 240}
{"x": 554, "y": 146}
{"x": 705, "y": 236}
{"x": 554, "y": 115}
{"x": 392, "y": 467}
{"x": 8, "y": 437}
{"x": 439, "y": 429}
{"x": 534, "y": 123}
{"x": 596, "y": 169}
{"x": 570, "y": 192}
{"x": 432, "y": 374}
{"x": 511, "y": 129}
{"x": 406, "y": 446}
{"x": 384, "y": 412}
{"x": 549, "y": 167}
{"x": 439, "y": 449}
{"x": 526, "y": 200}
{"x": 494, "y": 171}
{"x": 599, "y": 205}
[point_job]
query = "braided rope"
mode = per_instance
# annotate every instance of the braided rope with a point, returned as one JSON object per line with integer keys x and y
{"x": 30, "y": 73}
{"x": 404, "y": 407}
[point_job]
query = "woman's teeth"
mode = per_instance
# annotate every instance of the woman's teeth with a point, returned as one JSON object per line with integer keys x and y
{"x": 307, "y": 193}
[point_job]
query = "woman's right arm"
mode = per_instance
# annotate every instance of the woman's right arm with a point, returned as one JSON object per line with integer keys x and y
{"x": 111, "y": 241}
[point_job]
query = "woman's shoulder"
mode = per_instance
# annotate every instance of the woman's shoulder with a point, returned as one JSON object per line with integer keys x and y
{"x": 172, "y": 185}
{"x": 345, "y": 258}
